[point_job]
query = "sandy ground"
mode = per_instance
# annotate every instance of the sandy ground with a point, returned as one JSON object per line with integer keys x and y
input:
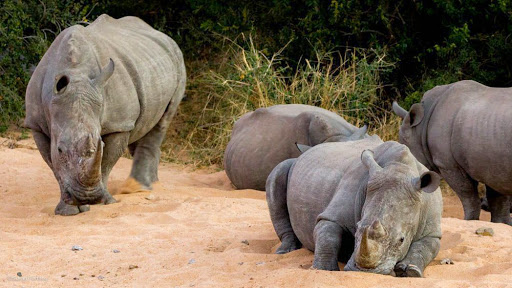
{"x": 194, "y": 231}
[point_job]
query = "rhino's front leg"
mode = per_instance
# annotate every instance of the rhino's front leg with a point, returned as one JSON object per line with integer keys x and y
{"x": 327, "y": 245}
{"x": 419, "y": 256}
{"x": 115, "y": 145}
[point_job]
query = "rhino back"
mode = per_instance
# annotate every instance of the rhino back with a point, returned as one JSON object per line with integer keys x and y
{"x": 319, "y": 175}
{"x": 260, "y": 140}
{"x": 480, "y": 132}
{"x": 150, "y": 72}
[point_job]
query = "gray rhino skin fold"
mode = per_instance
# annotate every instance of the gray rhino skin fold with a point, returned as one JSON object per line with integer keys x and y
{"x": 380, "y": 210}
{"x": 462, "y": 131}
{"x": 265, "y": 137}
{"x": 97, "y": 90}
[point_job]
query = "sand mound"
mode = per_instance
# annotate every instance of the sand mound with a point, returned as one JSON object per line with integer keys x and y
{"x": 194, "y": 231}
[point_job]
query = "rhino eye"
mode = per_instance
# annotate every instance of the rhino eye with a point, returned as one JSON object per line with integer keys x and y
{"x": 61, "y": 84}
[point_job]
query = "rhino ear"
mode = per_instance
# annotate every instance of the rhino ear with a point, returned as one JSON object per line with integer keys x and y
{"x": 401, "y": 112}
{"x": 359, "y": 133}
{"x": 105, "y": 74}
{"x": 302, "y": 148}
{"x": 369, "y": 161}
{"x": 428, "y": 182}
{"x": 416, "y": 114}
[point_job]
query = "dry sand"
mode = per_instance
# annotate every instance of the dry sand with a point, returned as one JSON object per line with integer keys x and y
{"x": 194, "y": 231}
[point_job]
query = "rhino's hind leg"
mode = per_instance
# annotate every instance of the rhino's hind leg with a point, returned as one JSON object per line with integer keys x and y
{"x": 276, "y": 198}
{"x": 466, "y": 189}
{"x": 499, "y": 206}
{"x": 146, "y": 151}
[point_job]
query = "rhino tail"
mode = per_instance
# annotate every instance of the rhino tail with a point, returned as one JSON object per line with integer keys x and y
{"x": 301, "y": 147}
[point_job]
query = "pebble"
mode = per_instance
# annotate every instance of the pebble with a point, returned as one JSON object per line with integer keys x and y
{"x": 447, "y": 261}
{"x": 192, "y": 261}
{"x": 133, "y": 267}
{"x": 19, "y": 274}
{"x": 116, "y": 251}
{"x": 77, "y": 248}
{"x": 260, "y": 263}
{"x": 100, "y": 277}
{"x": 485, "y": 231}
{"x": 245, "y": 242}
{"x": 150, "y": 197}
{"x": 76, "y": 278}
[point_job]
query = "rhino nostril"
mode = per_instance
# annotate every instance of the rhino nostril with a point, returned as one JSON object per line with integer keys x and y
{"x": 59, "y": 149}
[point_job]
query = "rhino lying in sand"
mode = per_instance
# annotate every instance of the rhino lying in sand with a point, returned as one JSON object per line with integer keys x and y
{"x": 97, "y": 90}
{"x": 264, "y": 138}
{"x": 462, "y": 130}
{"x": 379, "y": 210}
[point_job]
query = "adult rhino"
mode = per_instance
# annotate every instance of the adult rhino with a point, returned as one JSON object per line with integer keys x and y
{"x": 462, "y": 131}
{"x": 97, "y": 90}
{"x": 264, "y": 138}
{"x": 379, "y": 210}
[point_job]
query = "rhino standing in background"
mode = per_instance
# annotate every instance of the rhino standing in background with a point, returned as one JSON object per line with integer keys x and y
{"x": 379, "y": 210}
{"x": 97, "y": 90}
{"x": 462, "y": 130}
{"x": 264, "y": 138}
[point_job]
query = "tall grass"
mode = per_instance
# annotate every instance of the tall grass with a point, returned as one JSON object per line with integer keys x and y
{"x": 246, "y": 79}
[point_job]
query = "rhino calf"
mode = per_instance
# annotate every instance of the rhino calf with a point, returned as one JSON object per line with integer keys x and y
{"x": 264, "y": 138}
{"x": 97, "y": 90}
{"x": 380, "y": 210}
{"x": 462, "y": 131}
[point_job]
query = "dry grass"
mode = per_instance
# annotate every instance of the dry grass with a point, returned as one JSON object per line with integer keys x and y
{"x": 246, "y": 79}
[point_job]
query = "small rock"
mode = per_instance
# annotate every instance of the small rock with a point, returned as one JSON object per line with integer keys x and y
{"x": 240, "y": 263}
{"x": 63, "y": 275}
{"x": 81, "y": 274}
{"x": 116, "y": 251}
{"x": 133, "y": 267}
{"x": 192, "y": 261}
{"x": 260, "y": 263}
{"x": 76, "y": 248}
{"x": 19, "y": 274}
{"x": 485, "y": 231}
{"x": 150, "y": 197}
{"x": 447, "y": 261}
{"x": 245, "y": 242}
{"x": 100, "y": 277}
{"x": 93, "y": 275}
{"x": 76, "y": 278}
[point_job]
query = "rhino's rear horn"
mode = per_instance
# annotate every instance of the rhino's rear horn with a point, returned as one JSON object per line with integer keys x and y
{"x": 377, "y": 231}
{"x": 401, "y": 112}
{"x": 369, "y": 161}
{"x": 105, "y": 74}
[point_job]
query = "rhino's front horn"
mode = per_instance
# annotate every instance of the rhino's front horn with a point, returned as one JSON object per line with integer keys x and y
{"x": 105, "y": 74}
{"x": 94, "y": 168}
{"x": 369, "y": 253}
{"x": 376, "y": 230}
{"x": 401, "y": 112}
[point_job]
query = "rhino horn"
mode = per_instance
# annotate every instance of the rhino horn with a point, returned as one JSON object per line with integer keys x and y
{"x": 401, "y": 112}
{"x": 368, "y": 254}
{"x": 359, "y": 133}
{"x": 369, "y": 161}
{"x": 94, "y": 168}
{"x": 302, "y": 148}
{"x": 105, "y": 74}
{"x": 376, "y": 230}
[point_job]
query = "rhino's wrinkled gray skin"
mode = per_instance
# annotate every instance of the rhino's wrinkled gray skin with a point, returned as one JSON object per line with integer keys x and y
{"x": 379, "y": 210}
{"x": 462, "y": 130}
{"x": 264, "y": 138}
{"x": 97, "y": 90}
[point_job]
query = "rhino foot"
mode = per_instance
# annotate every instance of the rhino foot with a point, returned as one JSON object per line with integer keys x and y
{"x": 288, "y": 244}
{"x": 407, "y": 270}
{"x": 84, "y": 208}
{"x": 108, "y": 199}
{"x": 66, "y": 209}
{"x": 484, "y": 204}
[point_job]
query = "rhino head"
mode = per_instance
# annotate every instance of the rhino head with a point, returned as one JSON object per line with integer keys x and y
{"x": 76, "y": 145}
{"x": 411, "y": 130}
{"x": 390, "y": 214}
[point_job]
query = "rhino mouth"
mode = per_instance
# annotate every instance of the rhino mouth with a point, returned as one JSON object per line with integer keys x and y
{"x": 83, "y": 196}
